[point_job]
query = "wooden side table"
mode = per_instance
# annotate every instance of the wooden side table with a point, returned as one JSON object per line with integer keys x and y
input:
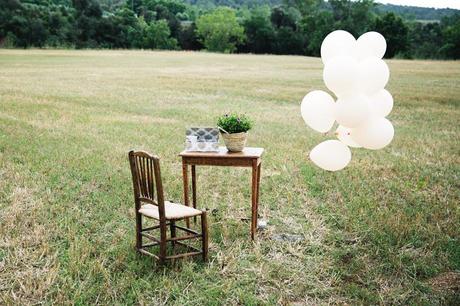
{"x": 250, "y": 157}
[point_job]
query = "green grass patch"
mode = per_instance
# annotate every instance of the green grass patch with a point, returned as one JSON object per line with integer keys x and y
{"x": 377, "y": 232}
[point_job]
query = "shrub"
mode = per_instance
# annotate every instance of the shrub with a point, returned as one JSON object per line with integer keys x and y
{"x": 234, "y": 123}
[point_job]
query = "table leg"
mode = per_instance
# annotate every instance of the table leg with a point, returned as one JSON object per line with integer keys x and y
{"x": 254, "y": 199}
{"x": 185, "y": 179}
{"x": 258, "y": 187}
{"x": 194, "y": 189}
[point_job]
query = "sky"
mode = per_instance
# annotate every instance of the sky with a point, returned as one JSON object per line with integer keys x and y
{"x": 455, "y": 4}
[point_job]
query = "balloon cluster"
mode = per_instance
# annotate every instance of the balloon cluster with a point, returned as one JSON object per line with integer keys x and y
{"x": 355, "y": 72}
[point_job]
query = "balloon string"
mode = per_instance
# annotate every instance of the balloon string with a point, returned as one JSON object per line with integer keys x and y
{"x": 336, "y": 134}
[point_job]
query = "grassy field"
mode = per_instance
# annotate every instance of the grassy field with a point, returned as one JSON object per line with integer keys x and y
{"x": 383, "y": 231}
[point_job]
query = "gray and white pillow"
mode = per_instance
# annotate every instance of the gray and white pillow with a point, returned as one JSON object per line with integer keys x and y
{"x": 207, "y": 139}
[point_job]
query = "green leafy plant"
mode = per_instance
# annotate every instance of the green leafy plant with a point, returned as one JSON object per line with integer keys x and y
{"x": 234, "y": 123}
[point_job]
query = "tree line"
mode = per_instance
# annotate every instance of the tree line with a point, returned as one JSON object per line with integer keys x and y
{"x": 293, "y": 27}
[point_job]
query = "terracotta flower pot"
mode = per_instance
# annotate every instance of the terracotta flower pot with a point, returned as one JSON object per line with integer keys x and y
{"x": 235, "y": 142}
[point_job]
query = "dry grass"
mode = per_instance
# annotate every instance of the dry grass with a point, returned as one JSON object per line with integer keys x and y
{"x": 379, "y": 232}
{"x": 28, "y": 266}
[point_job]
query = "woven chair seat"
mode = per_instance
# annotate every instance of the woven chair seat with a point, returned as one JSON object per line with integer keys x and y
{"x": 173, "y": 211}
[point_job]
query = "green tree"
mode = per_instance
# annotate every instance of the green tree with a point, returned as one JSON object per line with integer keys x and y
{"x": 288, "y": 41}
{"x": 396, "y": 33}
{"x": 353, "y": 16}
{"x": 316, "y": 27}
{"x": 168, "y": 10}
{"x": 88, "y": 17}
{"x": 288, "y": 38}
{"x": 220, "y": 31}
{"x": 158, "y": 36}
{"x": 304, "y": 6}
{"x": 187, "y": 38}
{"x": 129, "y": 31}
{"x": 451, "y": 35}
{"x": 424, "y": 40}
{"x": 259, "y": 31}
{"x": 281, "y": 17}
{"x": 61, "y": 27}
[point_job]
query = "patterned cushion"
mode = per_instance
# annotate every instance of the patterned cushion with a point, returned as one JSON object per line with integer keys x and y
{"x": 207, "y": 134}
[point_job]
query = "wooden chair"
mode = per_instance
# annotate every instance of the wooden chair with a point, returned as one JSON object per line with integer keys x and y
{"x": 145, "y": 169}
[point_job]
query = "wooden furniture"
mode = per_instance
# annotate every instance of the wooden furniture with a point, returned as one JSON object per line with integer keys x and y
{"x": 250, "y": 157}
{"x": 145, "y": 169}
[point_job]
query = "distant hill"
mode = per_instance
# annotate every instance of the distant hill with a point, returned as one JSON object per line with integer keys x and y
{"x": 409, "y": 12}
{"x": 233, "y": 3}
{"x": 417, "y": 13}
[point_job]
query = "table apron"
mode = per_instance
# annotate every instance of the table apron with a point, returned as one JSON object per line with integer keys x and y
{"x": 229, "y": 162}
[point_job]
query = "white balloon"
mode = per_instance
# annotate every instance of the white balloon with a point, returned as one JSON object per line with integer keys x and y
{"x": 331, "y": 155}
{"x": 375, "y": 134}
{"x": 339, "y": 75}
{"x": 343, "y": 134}
{"x": 370, "y": 44}
{"x": 373, "y": 75}
{"x": 352, "y": 111}
{"x": 337, "y": 43}
{"x": 381, "y": 103}
{"x": 318, "y": 110}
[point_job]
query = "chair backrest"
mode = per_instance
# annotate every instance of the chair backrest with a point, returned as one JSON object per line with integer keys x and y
{"x": 145, "y": 170}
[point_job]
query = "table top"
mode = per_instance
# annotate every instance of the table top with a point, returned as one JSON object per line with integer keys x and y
{"x": 248, "y": 152}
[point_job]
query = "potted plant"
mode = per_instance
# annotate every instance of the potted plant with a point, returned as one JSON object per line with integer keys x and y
{"x": 234, "y": 128}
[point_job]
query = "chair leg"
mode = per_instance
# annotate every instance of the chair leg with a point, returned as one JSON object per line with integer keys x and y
{"x": 172, "y": 227}
{"x": 138, "y": 231}
{"x": 204, "y": 233}
{"x": 162, "y": 242}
